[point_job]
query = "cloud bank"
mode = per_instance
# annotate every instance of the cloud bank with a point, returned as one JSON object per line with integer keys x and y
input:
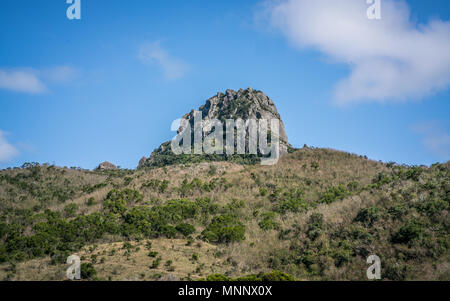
{"x": 392, "y": 59}
{"x": 7, "y": 151}
{"x": 172, "y": 67}
{"x": 33, "y": 81}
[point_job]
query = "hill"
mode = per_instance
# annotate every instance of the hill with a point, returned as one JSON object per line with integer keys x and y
{"x": 316, "y": 215}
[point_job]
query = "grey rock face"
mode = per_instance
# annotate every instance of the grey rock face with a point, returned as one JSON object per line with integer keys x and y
{"x": 243, "y": 104}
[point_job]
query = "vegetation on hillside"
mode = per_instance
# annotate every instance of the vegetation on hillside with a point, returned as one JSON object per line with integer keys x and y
{"x": 316, "y": 215}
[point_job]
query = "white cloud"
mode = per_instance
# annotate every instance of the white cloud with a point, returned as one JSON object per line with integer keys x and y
{"x": 7, "y": 151}
{"x": 33, "y": 81}
{"x": 435, "y": 138}
{"x": 25, "y": 81}
{"x": 392, "y": 59}
{"x": 172, "y": 68}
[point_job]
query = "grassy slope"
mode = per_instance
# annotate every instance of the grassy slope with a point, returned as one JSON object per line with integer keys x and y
{"x": 313, "y": 228}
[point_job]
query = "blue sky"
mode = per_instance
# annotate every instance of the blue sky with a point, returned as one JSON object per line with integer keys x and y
{"x": 108, "y": 86}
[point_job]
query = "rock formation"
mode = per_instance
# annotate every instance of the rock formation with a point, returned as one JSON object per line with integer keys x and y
{"x": 243, "y": 104}
{"x": 107, "y": 166}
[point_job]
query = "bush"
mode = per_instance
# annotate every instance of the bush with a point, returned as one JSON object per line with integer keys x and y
{"x": 212, "y": 170}
{"x": 414, "y": 173}
{"x": 116, "y": 200}
{"x": 334, "y": 193}
{"x": 315, "y": 226}
{"x": 411, "y": 231}
{"x": 88, "y": 271}
{"x": 268, "y": 221}
{"x": 90, "y": 202}
{"x": 156, "y": 263}
{"x": 276, "y": 276}
{"x": 169, "y": 231}
{"x": 185, "y": 229}
{"x": 224, "y": 229}
{"x": 291, "y": 200}
{"x": 353, "y": 186}
{"x": 158, "y": 185}
{"x": 292, "y": 205}
{"x": 399, "y": 210}
{"x": 343, "y": 253}
{"x": 262, "y": 191}
{"x": 368, "y": 215}
{"x": 433, "y": 207}
{"x": 70, "y": 210}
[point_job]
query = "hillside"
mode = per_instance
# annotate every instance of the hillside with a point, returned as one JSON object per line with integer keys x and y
{"x": 316, "y": 215}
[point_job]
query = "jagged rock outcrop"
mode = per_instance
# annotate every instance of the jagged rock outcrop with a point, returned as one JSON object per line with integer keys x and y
{"x": 107, "y": 166}
{"x": 242, "y": 104}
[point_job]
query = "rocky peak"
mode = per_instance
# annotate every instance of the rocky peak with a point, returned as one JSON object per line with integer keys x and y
{"x": 242, "y": 104}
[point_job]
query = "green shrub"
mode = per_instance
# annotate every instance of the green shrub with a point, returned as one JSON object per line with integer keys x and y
{"x": 88, "y": 271}
{"x": 291, "y": 200}
{"x": 409, "y": 232}
{"x": 276, "y": 276}
{"x": 262, "y": 191}
{"x": 432, "y": 207}
{"x": 291, "y": 205}
{"x": 169, "y": 231}
{"x": 353, "y": 186}
{"x": 157, "y": 185}
{"x": 315, "y": 225}
{"x": 90, "y": 202}
{"x": 116, "y": 200}
{"x": 334, "y": 193}
{"x": 224, "y": 228}
{"x": 156, "y": 263}
{"x": 413, "y": 173}
{"x": 399, "y": 210}
{"x": 343, "y": 253}
{"x": 127, "y": 246}
{"x": 70, "y": 210}
{"x": 168, "y": 263}
{"x": 185, "y": 229}
{"x": 368, "y": 215}
{"x": 381, "y": 179}
{"x": 212, "y": 170}
{"x": 268, "y": 221}
{"x": 233, "y": 207}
